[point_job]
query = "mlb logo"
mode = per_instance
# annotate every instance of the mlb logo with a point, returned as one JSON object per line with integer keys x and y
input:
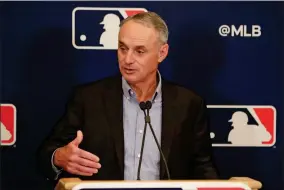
{"x": 8, "y": 124}
{"x": 98, "y": 27}
{"x": 242, "y": 126}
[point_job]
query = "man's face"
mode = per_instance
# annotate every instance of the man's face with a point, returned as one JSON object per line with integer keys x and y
{"x": 139, "y": 51}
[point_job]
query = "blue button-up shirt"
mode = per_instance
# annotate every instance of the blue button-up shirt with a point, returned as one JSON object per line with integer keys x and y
{"x": 133, "y": 124}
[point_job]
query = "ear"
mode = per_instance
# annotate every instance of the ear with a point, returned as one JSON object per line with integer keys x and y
{"x": 163, "y": 52}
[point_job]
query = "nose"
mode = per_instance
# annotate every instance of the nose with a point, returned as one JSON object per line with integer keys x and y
{"x": 129, "y": 58}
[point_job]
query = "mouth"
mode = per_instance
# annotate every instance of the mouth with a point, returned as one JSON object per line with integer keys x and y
{"x": 129, "y": 71}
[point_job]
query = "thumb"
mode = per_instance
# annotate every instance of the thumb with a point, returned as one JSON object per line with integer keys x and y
{"x": 78, "y": 139}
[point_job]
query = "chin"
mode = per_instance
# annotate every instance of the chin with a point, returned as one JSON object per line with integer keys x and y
{"x": 131, "y": 78}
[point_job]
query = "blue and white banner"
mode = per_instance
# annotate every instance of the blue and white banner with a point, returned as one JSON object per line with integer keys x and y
{"x": 231, "y": 53}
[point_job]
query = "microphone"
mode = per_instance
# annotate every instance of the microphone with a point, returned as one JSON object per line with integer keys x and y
{"x": 147, "y": 106}
{"x": 142, "y": 107}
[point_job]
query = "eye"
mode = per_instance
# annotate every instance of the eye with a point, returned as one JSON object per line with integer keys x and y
{"x": 140, "y": 51}
{"x": 122, "y": 48}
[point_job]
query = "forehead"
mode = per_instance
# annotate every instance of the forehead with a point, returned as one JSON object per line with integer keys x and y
{"x": 137, "y": 33}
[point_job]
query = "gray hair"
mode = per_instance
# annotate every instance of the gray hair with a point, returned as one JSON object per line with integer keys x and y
{"x": 151, "y": 19}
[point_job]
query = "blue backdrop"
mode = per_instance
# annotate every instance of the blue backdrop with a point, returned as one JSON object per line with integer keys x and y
{"x": 40, "y": 66}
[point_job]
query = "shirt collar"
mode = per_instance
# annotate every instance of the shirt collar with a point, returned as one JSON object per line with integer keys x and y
{"x": 129, "y": 93}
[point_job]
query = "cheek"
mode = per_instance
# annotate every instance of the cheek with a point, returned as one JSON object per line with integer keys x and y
{"x": 148, "y": 63}
{"x": 120, "y": 58}
{"x": 119, "y": 55}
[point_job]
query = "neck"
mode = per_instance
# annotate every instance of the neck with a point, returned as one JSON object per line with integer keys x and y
{"x": 145, "y": 90}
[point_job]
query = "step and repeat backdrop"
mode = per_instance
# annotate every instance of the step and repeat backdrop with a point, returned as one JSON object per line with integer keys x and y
{"x": 231, "y": 53}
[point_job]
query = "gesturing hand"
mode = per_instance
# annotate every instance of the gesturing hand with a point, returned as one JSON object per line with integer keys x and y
{"x": 75, "y": 160}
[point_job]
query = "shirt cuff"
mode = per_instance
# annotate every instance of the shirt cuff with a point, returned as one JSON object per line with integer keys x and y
{"x": 56, "y": 170}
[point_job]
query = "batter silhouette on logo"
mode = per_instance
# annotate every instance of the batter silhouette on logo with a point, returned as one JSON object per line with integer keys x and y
{"x": 5, "y": 134}
{"x": 109, "y": 38}
{"x": 245, "y": 134}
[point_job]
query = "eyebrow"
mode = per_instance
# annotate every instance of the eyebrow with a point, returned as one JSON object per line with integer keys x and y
{"x": 136, "y": 47}
{"x": 120, "y": 42}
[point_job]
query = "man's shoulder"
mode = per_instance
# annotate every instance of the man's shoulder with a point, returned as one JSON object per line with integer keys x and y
{"x": 183, "y": 92}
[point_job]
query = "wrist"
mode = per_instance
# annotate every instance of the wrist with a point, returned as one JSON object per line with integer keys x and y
{"x": 56, "y": 161}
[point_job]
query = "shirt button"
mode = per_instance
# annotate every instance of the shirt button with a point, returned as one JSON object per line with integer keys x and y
{"x": 138, "y": 155}
{"x": 141, "y": 131}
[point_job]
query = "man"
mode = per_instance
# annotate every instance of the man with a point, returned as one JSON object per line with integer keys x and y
{"x": 100, "y": 135}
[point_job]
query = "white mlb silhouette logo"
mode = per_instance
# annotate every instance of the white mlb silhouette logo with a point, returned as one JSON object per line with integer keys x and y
{"x": 243, "y": 125}
{"x": 110, "y": 18}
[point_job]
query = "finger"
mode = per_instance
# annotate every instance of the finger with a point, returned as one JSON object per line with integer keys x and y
{"x": 76, "y": 172}
{"x": 87, "y": 163}
{"x": 78, "y": 139}
{"x": 88, "y": 155}
{"x": 72, "y": 166}
{"x": 85, "y": 169}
